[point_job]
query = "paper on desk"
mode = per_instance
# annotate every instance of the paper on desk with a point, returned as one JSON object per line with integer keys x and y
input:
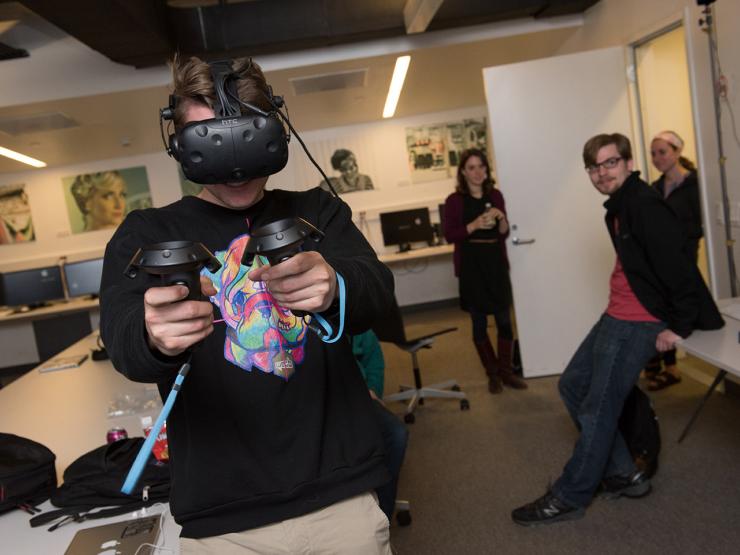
{"x": 61, "y": 363}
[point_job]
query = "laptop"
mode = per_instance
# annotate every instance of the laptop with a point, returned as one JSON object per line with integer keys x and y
{"x": 119, "y": 538}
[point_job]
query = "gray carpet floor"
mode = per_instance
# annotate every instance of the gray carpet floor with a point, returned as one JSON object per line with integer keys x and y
{"x": 466, "y": 470}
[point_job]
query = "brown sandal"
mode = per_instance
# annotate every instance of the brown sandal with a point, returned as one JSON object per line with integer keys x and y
{"x": 663, "y": 380}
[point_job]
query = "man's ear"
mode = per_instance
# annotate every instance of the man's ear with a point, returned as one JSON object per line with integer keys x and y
{"x": 630, "y": 165}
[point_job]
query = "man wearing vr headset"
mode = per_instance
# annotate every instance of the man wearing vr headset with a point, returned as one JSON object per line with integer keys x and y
{"x": 273, "y": 446}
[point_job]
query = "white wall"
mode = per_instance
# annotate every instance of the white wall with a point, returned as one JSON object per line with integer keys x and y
{"x": 49, "y": 211}
{"x": 416, "y": 283}
{"x": 391, "y": 177}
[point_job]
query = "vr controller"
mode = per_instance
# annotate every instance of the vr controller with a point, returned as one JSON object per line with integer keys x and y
{"x": 176, "y": 263}
{"x": 279, "y": 240}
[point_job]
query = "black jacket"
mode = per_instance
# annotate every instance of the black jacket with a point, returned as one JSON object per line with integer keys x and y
{"x": 248, "y": 445}
{"x": 684, "y": 200}
{"x": 653, "y": 250}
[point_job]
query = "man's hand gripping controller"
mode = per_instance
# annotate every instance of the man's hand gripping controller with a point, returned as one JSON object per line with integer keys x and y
{"x": 176, "y": 263}
{"x": 278, "y": 241}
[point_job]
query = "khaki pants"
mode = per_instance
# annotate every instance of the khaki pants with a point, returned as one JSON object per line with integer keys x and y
{"x": 355, "y": 525}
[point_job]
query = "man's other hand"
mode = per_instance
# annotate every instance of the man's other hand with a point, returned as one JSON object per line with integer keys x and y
{"x": 304, "y": 282}
{"x": 172, "y": 324}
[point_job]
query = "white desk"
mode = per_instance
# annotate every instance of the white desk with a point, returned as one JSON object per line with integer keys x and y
{"x": 423, "y": 275}
{"x": 415, "y": 254}
{"x": 18, "y": 538}
{"x": 66, "y": 410}
{"x": 17, "y": 337}
{"x": 718, "y": 347}
{"x": 54, "y": 309}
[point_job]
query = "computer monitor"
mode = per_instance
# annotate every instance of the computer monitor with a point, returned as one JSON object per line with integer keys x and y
{"x": 405, "y": 227}
{"x": 31, "y": 288}
{"x": 83, "y": 278}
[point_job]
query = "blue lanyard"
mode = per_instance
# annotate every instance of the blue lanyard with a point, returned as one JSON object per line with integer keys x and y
{"x": 342, "y": 309}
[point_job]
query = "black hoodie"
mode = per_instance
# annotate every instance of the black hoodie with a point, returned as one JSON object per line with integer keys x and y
{"x": 251, "y": 444}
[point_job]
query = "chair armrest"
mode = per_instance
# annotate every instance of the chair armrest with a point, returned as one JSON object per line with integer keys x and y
{"x": 418, "y": 342}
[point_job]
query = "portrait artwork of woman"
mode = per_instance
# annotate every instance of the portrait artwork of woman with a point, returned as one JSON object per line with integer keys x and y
{"x": 101, "y": 198}
{"x": 350, "y": 179}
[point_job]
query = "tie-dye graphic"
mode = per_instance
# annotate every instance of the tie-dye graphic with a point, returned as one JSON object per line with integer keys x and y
{"x": 260, "y": 332}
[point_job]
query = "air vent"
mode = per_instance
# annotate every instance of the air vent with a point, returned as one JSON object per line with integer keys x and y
{"x": 36, "y": 123}
{"x": 329, "y": 81}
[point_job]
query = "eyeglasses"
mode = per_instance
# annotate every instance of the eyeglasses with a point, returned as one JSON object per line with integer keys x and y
{"x": 608, "y": 164}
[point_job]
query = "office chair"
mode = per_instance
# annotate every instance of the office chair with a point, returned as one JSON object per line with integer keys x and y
{"x": 391, "y": 330}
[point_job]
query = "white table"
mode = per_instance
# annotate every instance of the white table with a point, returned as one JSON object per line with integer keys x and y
{"x": 718, "y": 347}
{"x": 423, "y": 275}
{"x": 66, "y": 410}
{"x": 18, "y": 538}
{"x": 17, "y": 337}
{"x": 415, "y": 254}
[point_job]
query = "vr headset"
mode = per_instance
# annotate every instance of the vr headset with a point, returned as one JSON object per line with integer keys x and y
{"x": 240, "y": 143}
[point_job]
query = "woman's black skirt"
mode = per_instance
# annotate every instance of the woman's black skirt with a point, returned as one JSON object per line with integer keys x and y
{"x": 484, "y": 278}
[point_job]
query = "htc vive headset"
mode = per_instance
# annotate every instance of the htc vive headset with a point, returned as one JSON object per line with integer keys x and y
{"x": 240, "y": 143}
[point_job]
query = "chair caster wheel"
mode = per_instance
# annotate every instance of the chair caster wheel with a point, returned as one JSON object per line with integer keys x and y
{"x": 464, "y": 404}
{"x": 403, "y": 518}
{"x": 455, "y": 388}
{"x": 409, "y": 418}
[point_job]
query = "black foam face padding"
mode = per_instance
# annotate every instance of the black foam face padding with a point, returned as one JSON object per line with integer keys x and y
{"x": 231, "y": 150}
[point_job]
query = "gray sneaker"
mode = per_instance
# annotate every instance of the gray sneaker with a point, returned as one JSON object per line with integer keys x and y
{"x": 635, "y": 485}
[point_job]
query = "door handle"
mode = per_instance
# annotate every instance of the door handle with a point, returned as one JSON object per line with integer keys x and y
{"x": 518, "y": 241}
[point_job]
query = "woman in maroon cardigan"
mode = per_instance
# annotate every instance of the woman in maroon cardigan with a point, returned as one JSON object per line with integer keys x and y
{"x": 475, "y": 221}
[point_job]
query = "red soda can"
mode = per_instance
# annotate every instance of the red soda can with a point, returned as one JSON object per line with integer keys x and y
{"x": 114, "y": 434}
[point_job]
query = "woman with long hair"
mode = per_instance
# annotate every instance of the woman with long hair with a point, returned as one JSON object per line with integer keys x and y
{"x": 679, "y": 186}
{"x": 475, "y": 221}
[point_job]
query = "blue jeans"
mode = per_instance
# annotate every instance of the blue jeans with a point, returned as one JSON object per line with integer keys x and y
{"x": 395, "y": 438}
{"x": 593, "y": 387}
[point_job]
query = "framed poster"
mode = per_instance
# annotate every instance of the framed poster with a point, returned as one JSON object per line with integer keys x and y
{"x": 16, "y": 223}
{"x": 101, "y": 200}
{"x": 434, "y": 150}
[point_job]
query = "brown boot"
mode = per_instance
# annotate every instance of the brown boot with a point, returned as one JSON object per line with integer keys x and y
{"x": 505, "y": 351}
{"x": 490, "y": 363}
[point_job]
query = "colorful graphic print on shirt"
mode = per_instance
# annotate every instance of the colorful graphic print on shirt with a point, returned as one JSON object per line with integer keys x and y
{"x": 260, "y": 332}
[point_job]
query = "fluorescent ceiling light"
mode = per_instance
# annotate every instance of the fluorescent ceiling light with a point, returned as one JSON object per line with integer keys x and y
{"x": 394, "y": 92}
{"x": 17, "y": 156}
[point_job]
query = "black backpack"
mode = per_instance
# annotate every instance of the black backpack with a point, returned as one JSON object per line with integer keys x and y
{"x": 27, "y": 473}
{"x": 94, "y": 481}
{"x": 638, "y": 425}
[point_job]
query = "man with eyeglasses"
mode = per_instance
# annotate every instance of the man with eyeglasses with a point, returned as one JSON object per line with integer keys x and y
{"x": 657, "y": 296}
